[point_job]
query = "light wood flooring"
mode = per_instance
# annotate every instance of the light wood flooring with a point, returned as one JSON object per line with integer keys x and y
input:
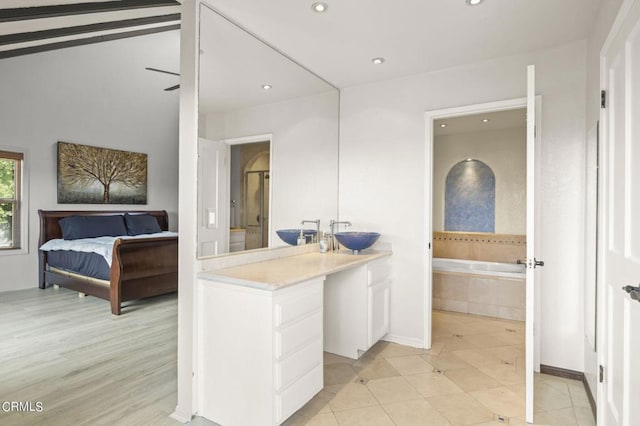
{"x": 88, "y": 367}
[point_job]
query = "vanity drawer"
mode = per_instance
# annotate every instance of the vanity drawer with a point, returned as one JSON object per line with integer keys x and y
{"x": 298, "y": 364}
{"x": 378, "y": 270}
{"x": 292, "y": 306}
{"x": 293, "y": 335}
{"x": 295, "y": 396}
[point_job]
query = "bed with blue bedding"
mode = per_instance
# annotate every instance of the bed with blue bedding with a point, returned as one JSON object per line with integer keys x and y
{"x": 114, "y": 255}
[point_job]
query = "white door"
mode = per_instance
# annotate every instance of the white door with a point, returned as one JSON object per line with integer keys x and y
{"x": 531, "y": 262}
{"x": 213, "y": 197}
{"x": 619, "y": 350}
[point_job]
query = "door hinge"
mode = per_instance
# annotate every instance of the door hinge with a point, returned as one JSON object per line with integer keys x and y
{"x": 603, "y": 99}
{"x": 601, "y": 374}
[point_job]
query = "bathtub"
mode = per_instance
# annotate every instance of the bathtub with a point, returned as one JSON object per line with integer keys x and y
{"x": 481, "y": 288}
{"x": 479, "y": 267}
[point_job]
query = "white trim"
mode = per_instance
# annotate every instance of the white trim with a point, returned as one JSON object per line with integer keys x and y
{"x": 601, "y": 297}
{"x": 617, "y": 25}
{"x": 187, "y": 363}
{"x": 24, "y": 202}
{"x": 248, "y": 139}
{"x": 430, "y": 117}
{"x": 403, "y": 340}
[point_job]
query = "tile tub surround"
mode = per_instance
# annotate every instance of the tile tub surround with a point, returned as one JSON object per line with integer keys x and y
{"x": 480, "y": 295}
{"x": 479, "y": 246}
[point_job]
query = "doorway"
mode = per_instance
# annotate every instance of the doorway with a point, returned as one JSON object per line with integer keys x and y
{"x": 469, "y": 166}
{"x": 250, "y": 191}
{"x": 234, "y": 194}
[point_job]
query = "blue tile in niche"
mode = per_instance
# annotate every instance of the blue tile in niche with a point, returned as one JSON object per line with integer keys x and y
{"x": 470, "y": 198}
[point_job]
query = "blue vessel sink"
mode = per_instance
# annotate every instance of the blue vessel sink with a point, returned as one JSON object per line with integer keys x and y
{"x": 290, "y": 236}
{"x": 357, "y": 241}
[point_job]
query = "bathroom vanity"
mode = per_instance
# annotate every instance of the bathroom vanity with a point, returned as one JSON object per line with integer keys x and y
{"x": 264, "y": 326}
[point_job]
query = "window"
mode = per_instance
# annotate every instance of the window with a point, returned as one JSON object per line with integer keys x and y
{"x": 10, "y": 199}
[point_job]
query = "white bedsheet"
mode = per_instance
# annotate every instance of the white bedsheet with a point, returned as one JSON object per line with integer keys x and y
{"x": 100, "y": 245}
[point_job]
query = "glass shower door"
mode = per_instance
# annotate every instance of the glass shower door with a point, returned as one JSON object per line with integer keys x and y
{"x": 257, "y": 208}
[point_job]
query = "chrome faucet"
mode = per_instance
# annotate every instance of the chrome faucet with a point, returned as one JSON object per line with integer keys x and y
{"x": 317, "y": 222}
{"x": 332, "y": 224}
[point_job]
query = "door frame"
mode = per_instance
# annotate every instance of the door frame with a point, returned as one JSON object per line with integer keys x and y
{"x": 430, "y": 117}
{"x": 266, "y": 137}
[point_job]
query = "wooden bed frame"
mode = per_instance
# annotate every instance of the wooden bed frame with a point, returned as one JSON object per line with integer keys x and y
{"x": 141, "y": 267}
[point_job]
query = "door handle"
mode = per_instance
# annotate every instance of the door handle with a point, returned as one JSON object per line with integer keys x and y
{"x": 529, "y": 263}
{"x": 634, "y": 292}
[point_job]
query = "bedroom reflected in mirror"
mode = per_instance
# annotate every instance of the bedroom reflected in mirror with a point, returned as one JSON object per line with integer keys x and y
{"x": 268, "y": 141}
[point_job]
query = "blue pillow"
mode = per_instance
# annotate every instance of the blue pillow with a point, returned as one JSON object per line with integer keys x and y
{"x": 141, "y": 224}
{"x": 75, "y": 227}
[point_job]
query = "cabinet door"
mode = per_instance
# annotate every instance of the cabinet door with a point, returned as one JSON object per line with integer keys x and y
{"x": 378, "y": 312}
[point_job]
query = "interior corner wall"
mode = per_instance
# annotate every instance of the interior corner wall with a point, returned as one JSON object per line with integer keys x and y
{"x": 504, "y": 151}
{"x": 602, "y": 25}
{"x": 100, "y": 95}
{"x": 382, "y": 179}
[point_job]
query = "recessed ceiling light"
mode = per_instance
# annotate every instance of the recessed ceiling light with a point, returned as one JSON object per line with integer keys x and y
{"x": 377, "y": 61}
{"x": 474, "y": 2}
{"x": 485, "y": 120}
{"x": 266, "y": 86}
{"x": 443, "y": 125}
{"x": 320, "y": 7}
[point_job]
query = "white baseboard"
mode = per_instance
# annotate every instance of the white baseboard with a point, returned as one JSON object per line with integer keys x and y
{"x": 403, "y": 340}
{"x": 179, "y": 415}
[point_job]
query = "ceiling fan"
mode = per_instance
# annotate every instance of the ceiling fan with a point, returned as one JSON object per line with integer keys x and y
{"x": 168, "y": 89}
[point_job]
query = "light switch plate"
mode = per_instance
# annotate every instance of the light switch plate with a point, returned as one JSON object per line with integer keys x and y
{"x": 211, "y": 218}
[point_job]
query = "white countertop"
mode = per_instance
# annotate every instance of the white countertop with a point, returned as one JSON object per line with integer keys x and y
{"x": 282, "y": 272}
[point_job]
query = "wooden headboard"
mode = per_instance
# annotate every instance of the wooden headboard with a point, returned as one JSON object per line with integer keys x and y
{"x": 50, "y": 229}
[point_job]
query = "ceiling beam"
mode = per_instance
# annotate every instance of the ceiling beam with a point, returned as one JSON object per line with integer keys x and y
{"x": 39, "y": 12}
{"x": 83, "y": 41}
{"x": 84, "y": 29}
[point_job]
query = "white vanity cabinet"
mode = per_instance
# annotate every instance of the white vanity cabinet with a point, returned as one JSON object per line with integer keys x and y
{"x": 379, "y": 283}
{"x": 262, "y": 327}
{"x": 357, "y": 308}
{"x": 265, "y": 360}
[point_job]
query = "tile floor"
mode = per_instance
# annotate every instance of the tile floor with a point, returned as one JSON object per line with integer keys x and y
{"x": 473, "y": 375}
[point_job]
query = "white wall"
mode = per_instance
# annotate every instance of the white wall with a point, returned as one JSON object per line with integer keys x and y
{"x": 304, "y": 158}
{"x": 503, "y": 150}
{"x": 382, "y": 171}
{"x": 98, "y": 94}
{"x": 606, "y": 15}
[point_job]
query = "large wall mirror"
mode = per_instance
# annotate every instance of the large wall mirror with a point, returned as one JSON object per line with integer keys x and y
{"x": 268, "y": 147}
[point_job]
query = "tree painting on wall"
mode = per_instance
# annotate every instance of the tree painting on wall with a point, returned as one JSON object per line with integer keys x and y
{"x": 92, "y": 175}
